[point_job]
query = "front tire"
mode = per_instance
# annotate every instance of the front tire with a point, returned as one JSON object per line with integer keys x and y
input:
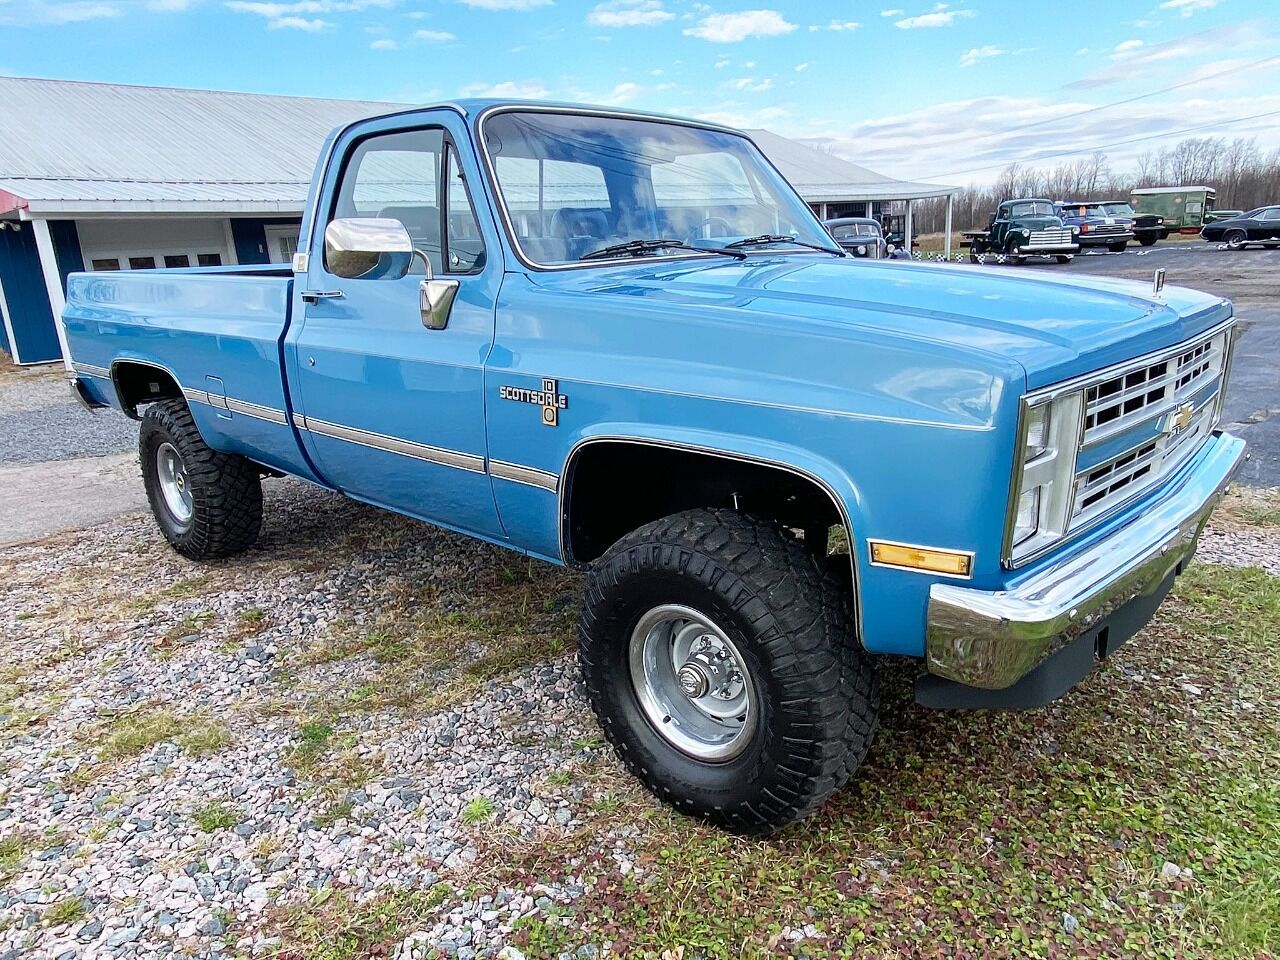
{"x": 1148, "y": 239}
{"x": 208, "y": 504}
{"x": 1064, "y": 258}
{"x": 1117, "y": 247}
{"x": 723, "y": 665}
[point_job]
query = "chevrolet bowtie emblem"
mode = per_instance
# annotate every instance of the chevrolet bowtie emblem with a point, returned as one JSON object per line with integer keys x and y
{"x": 1181, "y": 418}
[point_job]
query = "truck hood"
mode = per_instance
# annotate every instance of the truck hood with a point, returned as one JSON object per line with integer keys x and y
{"x": 1055, "y": 326}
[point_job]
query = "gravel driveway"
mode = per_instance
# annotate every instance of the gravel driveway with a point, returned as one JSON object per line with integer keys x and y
{"x": 194, "y": 759}
{"x": 40, "y": 420}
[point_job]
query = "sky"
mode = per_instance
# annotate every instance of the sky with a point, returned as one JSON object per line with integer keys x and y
{"x": 930, "y": 91}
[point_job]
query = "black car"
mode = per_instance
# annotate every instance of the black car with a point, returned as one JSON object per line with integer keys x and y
{"x": 1257, "y": 226}
{"x": 859, "y": 236}
{"x": 1096, "y": 226}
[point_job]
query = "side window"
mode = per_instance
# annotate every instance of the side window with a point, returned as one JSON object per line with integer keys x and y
{"x": 397, "y": 175}
{"x": 1271, "y": 213}
{"x": 465, "y": 246}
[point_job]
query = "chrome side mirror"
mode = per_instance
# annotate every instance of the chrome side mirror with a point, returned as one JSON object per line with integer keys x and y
{"x": 368, "y": 248}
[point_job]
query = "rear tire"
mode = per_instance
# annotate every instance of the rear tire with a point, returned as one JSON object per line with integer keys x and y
{"x": 806, "y": 702}
{"x": 1117, "y": 247}
{"x": 208, "y": 504}
{"x": 1236, "y": 239}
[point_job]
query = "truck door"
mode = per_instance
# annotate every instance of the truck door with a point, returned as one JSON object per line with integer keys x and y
{"x": 391, "y": 409}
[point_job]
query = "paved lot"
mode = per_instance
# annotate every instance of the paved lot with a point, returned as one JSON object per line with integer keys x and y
{"x": 1251, "y": 280}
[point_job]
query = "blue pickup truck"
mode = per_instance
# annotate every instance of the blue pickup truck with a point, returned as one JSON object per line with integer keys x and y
{"x": 624, "y": 343}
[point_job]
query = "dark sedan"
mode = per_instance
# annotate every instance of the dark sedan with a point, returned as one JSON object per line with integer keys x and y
{"x": 1257, "y": 226}
{"x": 859, "y": 236}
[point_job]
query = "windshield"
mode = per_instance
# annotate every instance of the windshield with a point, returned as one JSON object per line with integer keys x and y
{"x": 1031, "y": 208}
{"x": 1118, "y": 209}
{"x": 845, "y": 230}
{"x": 572, "y": 184}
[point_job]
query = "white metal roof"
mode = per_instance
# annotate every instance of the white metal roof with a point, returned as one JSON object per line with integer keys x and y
{"x": 824, "y": 178}
{"x": 81, "y": 149}
{"x": 1172, "y": 189}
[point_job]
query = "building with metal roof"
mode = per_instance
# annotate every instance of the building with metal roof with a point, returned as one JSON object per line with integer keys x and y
{"x": 98, "y": 176}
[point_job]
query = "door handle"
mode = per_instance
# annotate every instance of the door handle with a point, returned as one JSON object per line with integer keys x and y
{"x": 315, "y": 296}
{"x": 435, "y": 301}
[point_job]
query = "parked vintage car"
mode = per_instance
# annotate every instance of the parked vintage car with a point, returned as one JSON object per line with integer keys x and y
{"x": 1095, "y": 226}
{"x": 1023, "y": 228}
{"x": 1147, "y": 227}
{"x": 859, "y": 237}
{"x": 775, "y": 462}
{"x": 1260, "y": 226}
{"x": 1183, "y": 209}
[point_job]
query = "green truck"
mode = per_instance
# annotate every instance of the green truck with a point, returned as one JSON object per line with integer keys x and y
{"x": 1184, "y": 209}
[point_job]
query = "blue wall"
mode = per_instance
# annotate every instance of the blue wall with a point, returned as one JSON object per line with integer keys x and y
{"x": 28, "y": 300}
{"x": 251, "y": 240}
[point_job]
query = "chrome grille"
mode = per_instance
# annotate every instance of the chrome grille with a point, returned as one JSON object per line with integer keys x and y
{"x": 1050, "y": 235}
{"x": 1109, "y": 228}
{"x": 1165, "y": 386}
{"x": 1130, "y": 397}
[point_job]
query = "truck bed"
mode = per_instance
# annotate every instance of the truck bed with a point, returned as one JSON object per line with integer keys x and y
{"x": 217, "y": 330}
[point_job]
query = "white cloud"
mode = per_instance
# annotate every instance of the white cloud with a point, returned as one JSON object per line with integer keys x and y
{"x": 802, "y": 67}
{"x": 722, "y": 62}
{"x": 939, "y": 18}
{"x": 927, "y": 143}
{"x": 1188, "y": 7}
{"x": 1125, "y": 48}
{"x": 508, "y": 89}
{"x": 1138, "y": 64}
{"x": 752, "y": 85}
{"x": 736, "y": 27}
{"x": 79, "y": 11}
{"x": 730, "y": 115}
{"x": 622, "y": 93}
{"x": 301, "y": 14}
{"x": 843, "y": 25}
{"x": 656, "y": 72}
{"x": 384, "y": 45}
{"x": 434, "y": 36}
{"x": 891, "y": 13}
{"x": 506, "y": 4}
{"x": 629, "y": 13}
{"x": 970, "y": 57}
{"x": 169, "y": 6}
{"x": 299, "y": 23}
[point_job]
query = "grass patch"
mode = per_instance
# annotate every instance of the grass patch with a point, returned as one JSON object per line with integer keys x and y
{"x": 214, "y": 816}
{"x": 13, "y": 850}
{"x": 477, "y": 810}
{"x": 1249, "y": 507}
{"x": 131, "y": 734}
{"x": 1041, "y": 833}
{"x": 432, "y": 647}
{"x": 333, "y": 926}
{"x": 71, "y": 910}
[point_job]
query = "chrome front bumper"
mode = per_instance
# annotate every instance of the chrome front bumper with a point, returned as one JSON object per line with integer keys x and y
{"x": 1046, "y": 248}
{"x": 991, "y": 639}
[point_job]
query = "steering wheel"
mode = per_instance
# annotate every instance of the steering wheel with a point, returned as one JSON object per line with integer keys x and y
{"x": 696, "y": 232}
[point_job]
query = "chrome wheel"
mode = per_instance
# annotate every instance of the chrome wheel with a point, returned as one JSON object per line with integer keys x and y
{"x": 692, "y": 683}
{"x": 174, "y": 486}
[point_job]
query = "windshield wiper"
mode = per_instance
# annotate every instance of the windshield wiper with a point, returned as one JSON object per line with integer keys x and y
{"x": 780, "y": 238}
{"x": 637, "y": 248}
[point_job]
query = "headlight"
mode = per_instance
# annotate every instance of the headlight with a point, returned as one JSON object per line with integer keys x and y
{"x": 1159, "y": 220}
{"x": 1074, "y": 228}
{"x": 1044, "y": 478}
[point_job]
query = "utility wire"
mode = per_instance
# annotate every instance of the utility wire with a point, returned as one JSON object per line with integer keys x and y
{"x": 1104, "y": 146}
{"x": 1107, "y": 106}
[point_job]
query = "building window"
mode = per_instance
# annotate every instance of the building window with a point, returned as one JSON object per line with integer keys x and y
{"x": 108, "y": 264}
{"x": 209, "y": 259}
{"x": 177, "y": 260}
{"x": 142, "y": 263}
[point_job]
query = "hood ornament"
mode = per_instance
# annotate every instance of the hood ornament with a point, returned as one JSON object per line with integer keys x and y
{"x": 1157, "y": 283}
